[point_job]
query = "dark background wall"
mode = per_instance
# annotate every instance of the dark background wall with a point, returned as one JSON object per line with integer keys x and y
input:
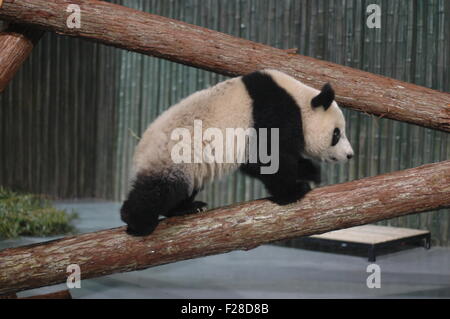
{"x": 69, "y": 119}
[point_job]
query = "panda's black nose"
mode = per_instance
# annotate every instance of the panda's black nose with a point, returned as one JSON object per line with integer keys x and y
{"x": 349, "y": 156}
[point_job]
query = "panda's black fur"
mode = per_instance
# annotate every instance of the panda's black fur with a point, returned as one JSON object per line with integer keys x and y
{"x": 272, "y": 107}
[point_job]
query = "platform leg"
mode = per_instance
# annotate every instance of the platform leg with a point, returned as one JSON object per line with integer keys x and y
{"x": 427, "y": 242}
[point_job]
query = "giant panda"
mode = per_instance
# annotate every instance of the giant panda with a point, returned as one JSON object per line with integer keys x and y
{"x": 311, "y": 128}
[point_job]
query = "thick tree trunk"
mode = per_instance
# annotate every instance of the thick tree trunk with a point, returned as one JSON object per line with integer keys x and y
{"x": 16, "y": 44}
{"x": 184, "y": 43}
{"x": 242, "y": 226}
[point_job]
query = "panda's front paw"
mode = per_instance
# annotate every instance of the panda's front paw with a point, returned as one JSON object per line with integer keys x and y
{"x": 293, "y": 195}
{"x": 302, "y": 189}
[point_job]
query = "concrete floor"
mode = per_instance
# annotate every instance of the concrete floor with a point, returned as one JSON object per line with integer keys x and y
{"x": 265, "y": 272}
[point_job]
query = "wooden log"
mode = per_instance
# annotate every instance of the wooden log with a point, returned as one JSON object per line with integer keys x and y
{"x": 218, "y": 52}
{"x": 16, "y": 44}
{"x": 63, "y": 294}
{"x": 241, "y": 226}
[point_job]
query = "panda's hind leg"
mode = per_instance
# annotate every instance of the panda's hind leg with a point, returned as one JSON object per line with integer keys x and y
{"x": 151, "y": 196}
{"x": 187, "y": 209}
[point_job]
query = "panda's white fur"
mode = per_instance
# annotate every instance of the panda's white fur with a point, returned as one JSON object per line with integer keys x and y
{"x": 318, "y": 123}
{"x": 230, "y": 104}
{"x": 225, "y": 105}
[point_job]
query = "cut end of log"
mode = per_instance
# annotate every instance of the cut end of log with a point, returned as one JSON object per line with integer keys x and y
{"x": 16, "y": 44}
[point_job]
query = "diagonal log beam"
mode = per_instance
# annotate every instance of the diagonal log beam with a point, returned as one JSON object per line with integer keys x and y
{"x": 241, "y": 226}
{"x": 218, "y": 52}
{"x": 16, "y": 44}
{"x": 63, "y": 294}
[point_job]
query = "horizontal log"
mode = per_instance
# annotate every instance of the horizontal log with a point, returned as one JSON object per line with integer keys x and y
{"x": 242, "y": 226}
{"x": 218, "y": 52}
{"x": 16, "y": 44}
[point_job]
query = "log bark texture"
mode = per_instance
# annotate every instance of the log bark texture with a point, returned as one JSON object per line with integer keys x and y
{"x": 242, "y": 226}
{"x": 218, "y": 52}
{"x": 16, "y": 44}
{"x": 63, "y": 294}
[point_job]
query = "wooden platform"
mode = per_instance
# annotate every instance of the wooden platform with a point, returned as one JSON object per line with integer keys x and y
{"x": 373, "y": 236}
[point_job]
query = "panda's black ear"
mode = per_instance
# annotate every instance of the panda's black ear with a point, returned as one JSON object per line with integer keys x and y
{"x": 325, "y": 97}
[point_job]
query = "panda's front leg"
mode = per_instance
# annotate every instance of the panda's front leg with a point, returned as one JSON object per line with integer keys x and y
{"x": 284, "y": 185}
{"x": 308, "y": 171}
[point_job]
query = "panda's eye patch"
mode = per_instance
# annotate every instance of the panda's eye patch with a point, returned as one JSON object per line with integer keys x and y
{"x": 336, "y": 136}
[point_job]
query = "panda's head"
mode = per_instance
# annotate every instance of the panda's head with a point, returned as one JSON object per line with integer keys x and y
{"x": 324, "y": 128}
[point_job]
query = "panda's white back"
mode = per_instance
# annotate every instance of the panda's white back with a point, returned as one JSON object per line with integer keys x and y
{"x": 225, "y": 105}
